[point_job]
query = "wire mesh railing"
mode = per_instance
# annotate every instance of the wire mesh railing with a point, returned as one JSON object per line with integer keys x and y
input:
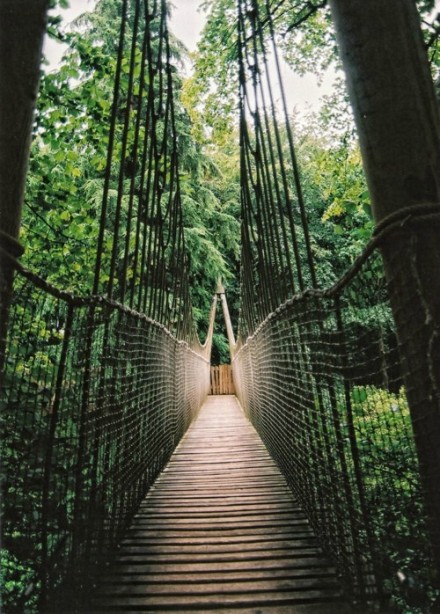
{"x": 322, "y": 381}
{"x": 95, "y": 399}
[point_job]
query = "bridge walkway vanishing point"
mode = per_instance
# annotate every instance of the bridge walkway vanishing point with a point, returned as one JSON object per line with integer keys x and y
{"x": 220, "y": 530}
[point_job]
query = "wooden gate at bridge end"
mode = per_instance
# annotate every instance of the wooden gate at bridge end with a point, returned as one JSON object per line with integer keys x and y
{"x": 221, "y": 380}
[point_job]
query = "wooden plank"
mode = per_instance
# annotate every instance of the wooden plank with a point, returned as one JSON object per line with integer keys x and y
{"x": 203, "y": 577}
{"x": 251, "y": 496}
{"x": 214, "y": 517}
{"x": 143, "y": 538}
{"x": 212, "y": 533}
{"x": 244, "y": 600}
{"x": 243, "y": 524}
{"x": 212, "y": 509}
{"x": 314, "y": 608}
{"x": 219, "y": 529}
{"x": 223, "y": 530}
{"x": 259, "y": 557}
{"x": 222, "y": 588}
{"x": 189, "y": 546}
{"x": 229, "y": 568}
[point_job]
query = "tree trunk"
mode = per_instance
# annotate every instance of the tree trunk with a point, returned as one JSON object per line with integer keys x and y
{"x": 22, "y": 28}
{"x": 397, "y": 117}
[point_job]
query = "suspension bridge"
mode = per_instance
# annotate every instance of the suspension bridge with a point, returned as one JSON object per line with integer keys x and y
{"x": 127, "y": 487}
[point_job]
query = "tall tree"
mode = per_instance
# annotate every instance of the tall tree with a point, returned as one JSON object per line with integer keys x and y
{"x": 22, "y": 31}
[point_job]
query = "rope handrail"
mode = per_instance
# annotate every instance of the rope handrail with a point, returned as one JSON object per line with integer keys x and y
{"x": 395, "y": 223}
{"x": 100, "y": 300}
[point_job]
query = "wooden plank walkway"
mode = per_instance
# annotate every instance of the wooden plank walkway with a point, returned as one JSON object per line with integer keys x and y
{"x": 220, "y": 531}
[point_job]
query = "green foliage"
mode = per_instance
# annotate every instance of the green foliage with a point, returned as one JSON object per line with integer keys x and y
{"x": 213, "y": 89}
{"x": 210, "y": 186}
{"x": 336, "y": 198}
{"x": 393, "y": 495}
{"x": 18, "y": 580}
{"x": 64, "y": 189}
{"x": 69, "y": 155}
{"x": 24, "y": 420}
{"x": 311, "y": 45}
{"x": 66, "y": 178}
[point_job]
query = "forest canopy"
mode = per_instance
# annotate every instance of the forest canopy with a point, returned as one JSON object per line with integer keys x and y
{"x": 65, "y": 182}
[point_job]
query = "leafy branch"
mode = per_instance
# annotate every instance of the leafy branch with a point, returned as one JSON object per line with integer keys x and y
{"x": 56, "y": 231}
{"x": 305, "y": 13}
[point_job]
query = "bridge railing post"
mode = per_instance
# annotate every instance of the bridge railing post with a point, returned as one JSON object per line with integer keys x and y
{"x": 397, "y": 117}
{"x": 220, "y": 291}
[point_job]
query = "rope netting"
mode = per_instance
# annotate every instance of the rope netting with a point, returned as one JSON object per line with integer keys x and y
{"x": 322, "y": 381}
{"x": 141, "y": 258}
{"x": 277, "y": 259}
{"x": 95, "y": 399}
{"x": 320, "y": 375}
{"x": 98, "y": 389}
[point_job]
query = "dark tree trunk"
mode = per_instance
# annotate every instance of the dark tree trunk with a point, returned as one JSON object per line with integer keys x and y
{"x": 22, "y": 28}
{"x": 397, "y": 117}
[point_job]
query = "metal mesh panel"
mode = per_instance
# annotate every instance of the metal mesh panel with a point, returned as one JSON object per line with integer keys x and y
{"x": 95, "y": 399}
{"x": 322, "y": 381}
